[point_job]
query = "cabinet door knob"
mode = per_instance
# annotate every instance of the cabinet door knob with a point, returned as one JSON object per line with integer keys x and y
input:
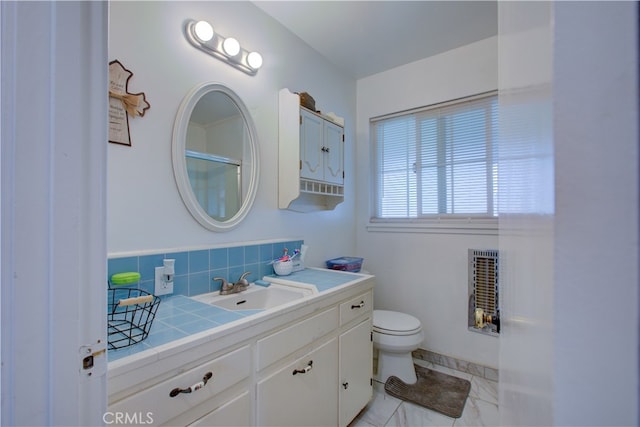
{"x": 345, "y": 385}
{"x": 305, "y": 370}
{"x": 197, "y": 386}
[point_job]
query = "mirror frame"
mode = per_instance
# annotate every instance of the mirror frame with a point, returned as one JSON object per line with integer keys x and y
{"x": 180, "y": 164}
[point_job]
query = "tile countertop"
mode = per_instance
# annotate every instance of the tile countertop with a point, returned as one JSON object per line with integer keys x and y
{"x": 180, "y": 317}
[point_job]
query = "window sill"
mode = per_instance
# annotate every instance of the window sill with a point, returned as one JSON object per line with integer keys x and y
{"x": 477, "y": 226}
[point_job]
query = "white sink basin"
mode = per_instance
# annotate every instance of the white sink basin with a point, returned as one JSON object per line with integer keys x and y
{"x": 254, "y": 298}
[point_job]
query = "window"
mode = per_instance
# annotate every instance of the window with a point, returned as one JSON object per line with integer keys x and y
{"x": 437, "y": 162}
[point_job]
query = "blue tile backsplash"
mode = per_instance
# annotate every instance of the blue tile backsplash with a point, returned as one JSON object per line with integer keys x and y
{"x": 195, "y": 269}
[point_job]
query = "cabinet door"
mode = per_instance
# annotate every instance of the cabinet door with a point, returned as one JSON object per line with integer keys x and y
{"x": 356, "y": 371}
{"x": 305, "y": 398}
{"x": 236, "y": 412}
{"x": 311, "y": 144}
{"x": 333, "y": 153}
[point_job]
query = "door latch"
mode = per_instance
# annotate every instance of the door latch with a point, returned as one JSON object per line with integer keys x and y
{"x": 93, "y": 359}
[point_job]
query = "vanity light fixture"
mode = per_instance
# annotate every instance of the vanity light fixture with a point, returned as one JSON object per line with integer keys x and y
{"x": 201, "y": 35}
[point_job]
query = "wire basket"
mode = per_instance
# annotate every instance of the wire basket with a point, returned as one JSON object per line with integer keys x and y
{"x": 130, "y": 313}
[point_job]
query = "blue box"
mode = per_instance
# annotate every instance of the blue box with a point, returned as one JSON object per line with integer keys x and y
{"x": 345, "y": 263}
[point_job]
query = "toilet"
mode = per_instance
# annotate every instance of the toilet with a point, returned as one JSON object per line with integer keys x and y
{"x": 395, "y": 336}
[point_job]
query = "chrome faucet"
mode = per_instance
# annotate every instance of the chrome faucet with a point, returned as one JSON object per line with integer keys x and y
{"x": 233, "y": 288}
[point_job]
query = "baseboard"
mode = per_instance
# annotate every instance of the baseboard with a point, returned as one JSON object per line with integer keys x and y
{"x": 457, "y": 364}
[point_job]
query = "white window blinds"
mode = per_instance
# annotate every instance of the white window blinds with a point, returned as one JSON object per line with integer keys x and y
{"x": 437, "y": 162}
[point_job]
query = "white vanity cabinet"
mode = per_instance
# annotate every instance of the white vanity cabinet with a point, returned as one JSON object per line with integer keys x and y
{"x": 309, "y": 363}
{"x": 329, "y": 384}
{"x": 310, "y": 157}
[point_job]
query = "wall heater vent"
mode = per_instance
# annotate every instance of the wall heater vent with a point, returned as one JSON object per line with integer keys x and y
{"x": 484, "y": 308}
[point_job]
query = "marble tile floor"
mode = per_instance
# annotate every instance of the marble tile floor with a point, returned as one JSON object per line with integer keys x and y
{"x": 480, "y": 409}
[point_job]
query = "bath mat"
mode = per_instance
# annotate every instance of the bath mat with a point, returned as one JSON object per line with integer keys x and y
{"x": 434, "y": 390}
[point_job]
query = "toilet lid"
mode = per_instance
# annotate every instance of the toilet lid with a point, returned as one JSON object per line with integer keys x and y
{"x": 394, "y": 322}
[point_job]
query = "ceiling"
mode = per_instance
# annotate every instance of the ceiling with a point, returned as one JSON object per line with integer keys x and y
{"x": 367, "y": 37}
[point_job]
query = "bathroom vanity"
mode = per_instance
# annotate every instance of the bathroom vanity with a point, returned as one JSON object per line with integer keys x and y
{"x": 305, "y": 362}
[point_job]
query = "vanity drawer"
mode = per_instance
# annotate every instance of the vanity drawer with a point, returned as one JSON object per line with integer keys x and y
{"x": 355, "y": 307}
{"x": 282, "y": 343}
{"x": 156, "y": 401}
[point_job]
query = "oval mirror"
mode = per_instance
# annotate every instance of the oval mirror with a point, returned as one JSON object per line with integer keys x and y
{"x": 215, "y": 156}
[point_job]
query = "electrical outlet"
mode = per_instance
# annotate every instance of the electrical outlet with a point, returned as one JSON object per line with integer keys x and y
{"x": 162, "y": 287}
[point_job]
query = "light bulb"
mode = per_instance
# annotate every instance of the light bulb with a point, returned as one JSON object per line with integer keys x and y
{"x": 231, "y": 46}
{"x": 203, "y": 30}
{"x": 254, "y": 59}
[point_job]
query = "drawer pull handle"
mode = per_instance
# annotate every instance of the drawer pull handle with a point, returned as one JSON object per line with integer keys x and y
{"x": 305, "y": 370}
{"x": 358, "y": 305}
{"x": 197, "y": 386}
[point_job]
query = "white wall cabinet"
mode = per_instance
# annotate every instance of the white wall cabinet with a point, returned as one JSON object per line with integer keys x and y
{"x": 321, "y": 150}
{"x": 327, "y": 343}
{"x": 310, "y": 157}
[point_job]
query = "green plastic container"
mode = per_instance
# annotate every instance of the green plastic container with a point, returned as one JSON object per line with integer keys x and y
{"x": 127, "y": 278}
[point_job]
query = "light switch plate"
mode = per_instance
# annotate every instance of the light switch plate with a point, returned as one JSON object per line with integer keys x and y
{"x": 162, "y": 287}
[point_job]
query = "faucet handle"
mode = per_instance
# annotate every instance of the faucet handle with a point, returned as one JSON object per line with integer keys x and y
{"x": 225, "y": 285}
{"x": 243, "y": 279}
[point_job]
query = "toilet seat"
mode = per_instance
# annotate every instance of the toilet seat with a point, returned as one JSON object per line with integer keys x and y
{"x": 395, "y": 323}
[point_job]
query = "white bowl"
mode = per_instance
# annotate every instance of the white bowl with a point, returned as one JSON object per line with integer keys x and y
{"x": 283, "y": 268}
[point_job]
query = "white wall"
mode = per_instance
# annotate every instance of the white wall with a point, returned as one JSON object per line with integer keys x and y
{"x": 419, "y": 273}
{"x": 145, "y": 211}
